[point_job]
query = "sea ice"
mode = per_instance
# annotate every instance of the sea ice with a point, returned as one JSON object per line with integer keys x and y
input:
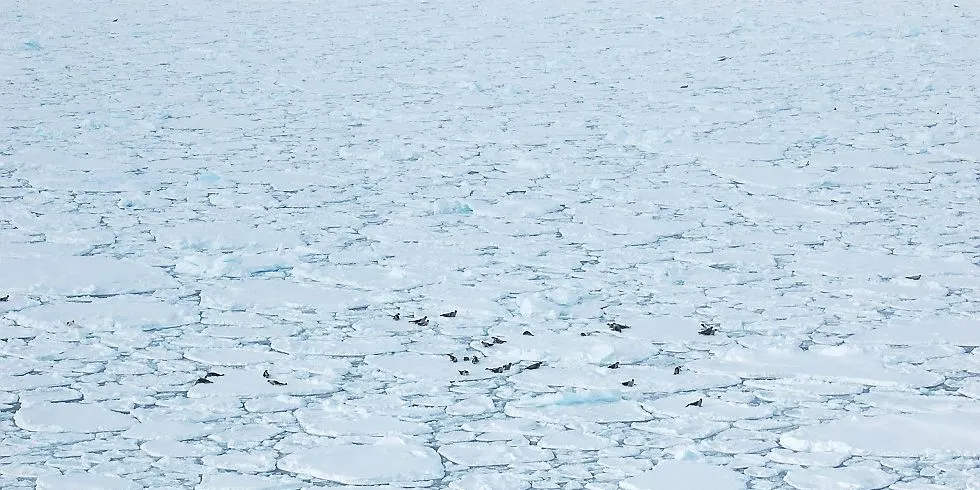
{"x": 920, "y": 434}
{"x": 239, "y": 383}
{"x": 574, "y": 440}
{"x": 82, "y": 276}
{"x": 84, "y": 481}
{"x": 491, "y": 481}
{"x": 224, "y": 237}
{"x": 850, "y": 477}
{"x": 955, "y": 330}
{"x": 856, "y": 367}
{"x": 685, "y": 475}
{"x": 100, "y": 314}
{"x": 167, "y": 429}
{"x": 238, "y": 481}
{"x": 711, "y": 408}
{"x": 384, "y": 462}
{"x": 598, "y": 407}
{"x": 493, "y": 453}
{"x": 350, "y": 420}
{"x": 71, "y": 417}
{"x": 277, "y": 294}
{"x": 803, "y": 174}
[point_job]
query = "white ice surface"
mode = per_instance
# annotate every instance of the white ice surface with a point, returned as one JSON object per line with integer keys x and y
{"x": 84, "y": 481}
{"x": 855, "y": 478}
{"x": 348, "y": 420}
{"x": 385, "y": 461}
{"x": 890, "y": 435}
{"x": 81, "y": 276}
{"x": 963, "y": 331}
{"x": 237, "y": 187}
{"x": 493, "y": 453}
{"x": 848, "y": 365}
{"x": 685, "y": 475}
{"x": 71, "y": 417}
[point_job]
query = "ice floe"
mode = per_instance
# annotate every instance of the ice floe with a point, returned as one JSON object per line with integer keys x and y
{"x": 388, "y": 461}
{"x": 82, "y": 276}
{"x": 71, "y": 417}
{"x": 686, "y": 475}
{"x": 890, "y": 435}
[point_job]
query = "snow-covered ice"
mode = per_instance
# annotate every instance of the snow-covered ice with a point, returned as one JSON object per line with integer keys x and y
{"x": 851, "y": 477}
{"x": 84, "y": 481}
{"x": 687, "y": 475}
{"x": 890, "y": 435}
{"x": 471, "y": 245}
{"x": 71, "y": 417}
{"x": 383, "y": 462}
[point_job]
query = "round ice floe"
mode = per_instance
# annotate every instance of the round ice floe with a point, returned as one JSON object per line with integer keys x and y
{"x": 578, "y": 407}
{"x": 84, "y": 481}
{"x": 129, "y": 312}
{"x": 574, "y": 440}
{"x": 77, "y": 275}
{"x": 70, "y": 417}
{"x": 850, "y": 477}
{"x": 711, "y": 408}
{"x": 493, "y": 453}
{"x": 686, "y": 475}
{"x": 348, "y": 420}
{"x": 890, "y": 435}
{"x": 385, "y": 462}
